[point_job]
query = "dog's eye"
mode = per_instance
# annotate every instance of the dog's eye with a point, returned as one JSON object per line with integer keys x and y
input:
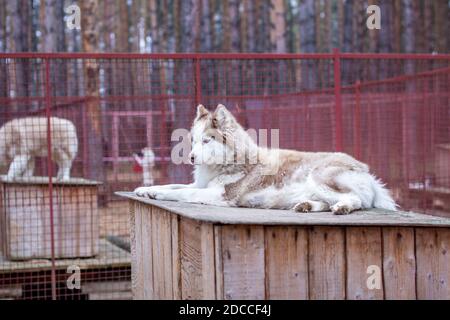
{"x": 213, "y": 137}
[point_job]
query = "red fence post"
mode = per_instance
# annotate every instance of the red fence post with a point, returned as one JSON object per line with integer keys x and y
{"x": 337, "y": 100}
{"x": 198, "y": 84}
{"x": 357, "y": 122}
{"x": 48, "y": 106}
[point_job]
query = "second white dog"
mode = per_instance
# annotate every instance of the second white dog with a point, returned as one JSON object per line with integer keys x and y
{"x": 21, "y": 140}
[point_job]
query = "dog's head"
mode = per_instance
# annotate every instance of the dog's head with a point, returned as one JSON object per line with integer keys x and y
{"x": 213, "y": 136}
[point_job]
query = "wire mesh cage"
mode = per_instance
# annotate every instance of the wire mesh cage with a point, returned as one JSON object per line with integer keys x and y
{"x": 75, "y": 128}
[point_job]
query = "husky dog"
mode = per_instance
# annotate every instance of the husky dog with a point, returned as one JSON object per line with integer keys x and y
{"x": 23, "y": 139}
{"x": 279, "y": 179}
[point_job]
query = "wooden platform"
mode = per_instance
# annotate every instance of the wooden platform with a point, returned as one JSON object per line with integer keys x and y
{"x": 109, "y": 255}
{"x": 105, "y": 276}
{"x": 189, "y": 251}
{"x": 25, "y": 223}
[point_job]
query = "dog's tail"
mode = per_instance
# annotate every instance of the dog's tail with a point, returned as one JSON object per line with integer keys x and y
{"x": 382, "y": 199}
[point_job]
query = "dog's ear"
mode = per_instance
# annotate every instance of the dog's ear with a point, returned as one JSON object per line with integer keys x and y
{"x": 223, "y": 118}
{"x": 201, "y": 112}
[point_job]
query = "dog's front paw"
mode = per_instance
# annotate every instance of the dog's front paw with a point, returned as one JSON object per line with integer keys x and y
{"x": 341, "y": 209}
{"x": 303, "y": 207}
{"x": 146, "y": 192}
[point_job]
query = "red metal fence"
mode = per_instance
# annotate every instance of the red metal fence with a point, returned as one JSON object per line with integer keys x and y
{"x": 391, "y": 111}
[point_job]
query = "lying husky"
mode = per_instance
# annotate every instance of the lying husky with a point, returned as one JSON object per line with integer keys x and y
{"x": 21, "y": 140}
{"x": 279, "y": 179}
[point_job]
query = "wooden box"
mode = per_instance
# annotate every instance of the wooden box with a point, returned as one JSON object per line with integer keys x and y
{"x": 189, "y": 251}
{"x": 25, "y": 222}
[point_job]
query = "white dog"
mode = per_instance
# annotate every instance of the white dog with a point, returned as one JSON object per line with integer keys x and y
{"x": 226, "y": 174}
{"x": 147, "y": 162}
{"x": 21, "y": 140}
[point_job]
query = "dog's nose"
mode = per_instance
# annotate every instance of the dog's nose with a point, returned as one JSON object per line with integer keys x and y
{"x": 192, "y": 159}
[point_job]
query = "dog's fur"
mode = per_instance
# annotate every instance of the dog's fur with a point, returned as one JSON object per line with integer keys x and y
{"x": 21, "y": 140}
{"x": 279, "y": 179}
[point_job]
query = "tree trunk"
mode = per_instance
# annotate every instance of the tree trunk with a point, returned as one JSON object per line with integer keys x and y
{"x": 428, "y": 26}
{"x": 348, "y": 27}
{"x": 249, "y": 12}
{"x": 397, "y": 34}
{"x": 53, "y": 40}
{"x": 89, "y": 21}
{"x": 278, "y": 26}
{"x": 409, "y": 112}
{"x": 3, "y": 38}
{"x": 441, "y": 11}
{"x": 189, "y": 29}
{"x": 386, "y": 32}
{"x": 20, "y": 20}
{"x": 307, "y": 30}
{"x": 206, "y": 43}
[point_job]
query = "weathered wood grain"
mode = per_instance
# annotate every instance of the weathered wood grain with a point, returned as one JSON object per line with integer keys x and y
{"x": 162, "y": 254}
{"x": 135, "y": 258}
{"x": 399, "y": 264}
{"x": 326, "y": 250}
{"x": 363, "y": 248}
{"x": 197, "y": 260}
{"x": 243, "y": 262}
{"x": 286, "y": 262}
{"x": 145, "y": 268}
{"x": 218, "y": 262}
{"x": 433, "y": 263}
{"x": 176, "y": 260}
{"x": 247, "y": 216}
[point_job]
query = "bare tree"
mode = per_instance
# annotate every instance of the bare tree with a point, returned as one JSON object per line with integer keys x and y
{"x": 90, "y": 31}
{"x": 307, "y": 30}
{"x": 408, "y": 26}
{"x": 19, "y": 42}
{"x": 441, "y": 12}
{"x": 249, "y": 13}
{"x": 278, "y": 26}
{"x": 53, "y": 40}
{"x": 3, "y": 37}
{"x": 206, "y": 31}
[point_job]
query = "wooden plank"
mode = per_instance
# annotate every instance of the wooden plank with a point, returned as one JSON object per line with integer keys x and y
{"x": 250, "y": 216}
{"x": 176, "y": 260}
{"x": 218, "y": 262}
{"x": 106, "y": 286}
{"x": 123, "y": 295}
{"x": 286, "y": 262}
{"x": 161, "y": 236}
{"x": 137, "y": 277}
{"x": 243, "y": 262}
{"x": 399, "y": 263}
{"x": 146, "y": 252}
{"x": 433, "y": 263}
{"x": 363, "y": 251}
{"x": 11, "y": 291}
{"x": 326, "y": 249}
{"x": 197, "y": 260}
{"x": 109, "y": 256}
